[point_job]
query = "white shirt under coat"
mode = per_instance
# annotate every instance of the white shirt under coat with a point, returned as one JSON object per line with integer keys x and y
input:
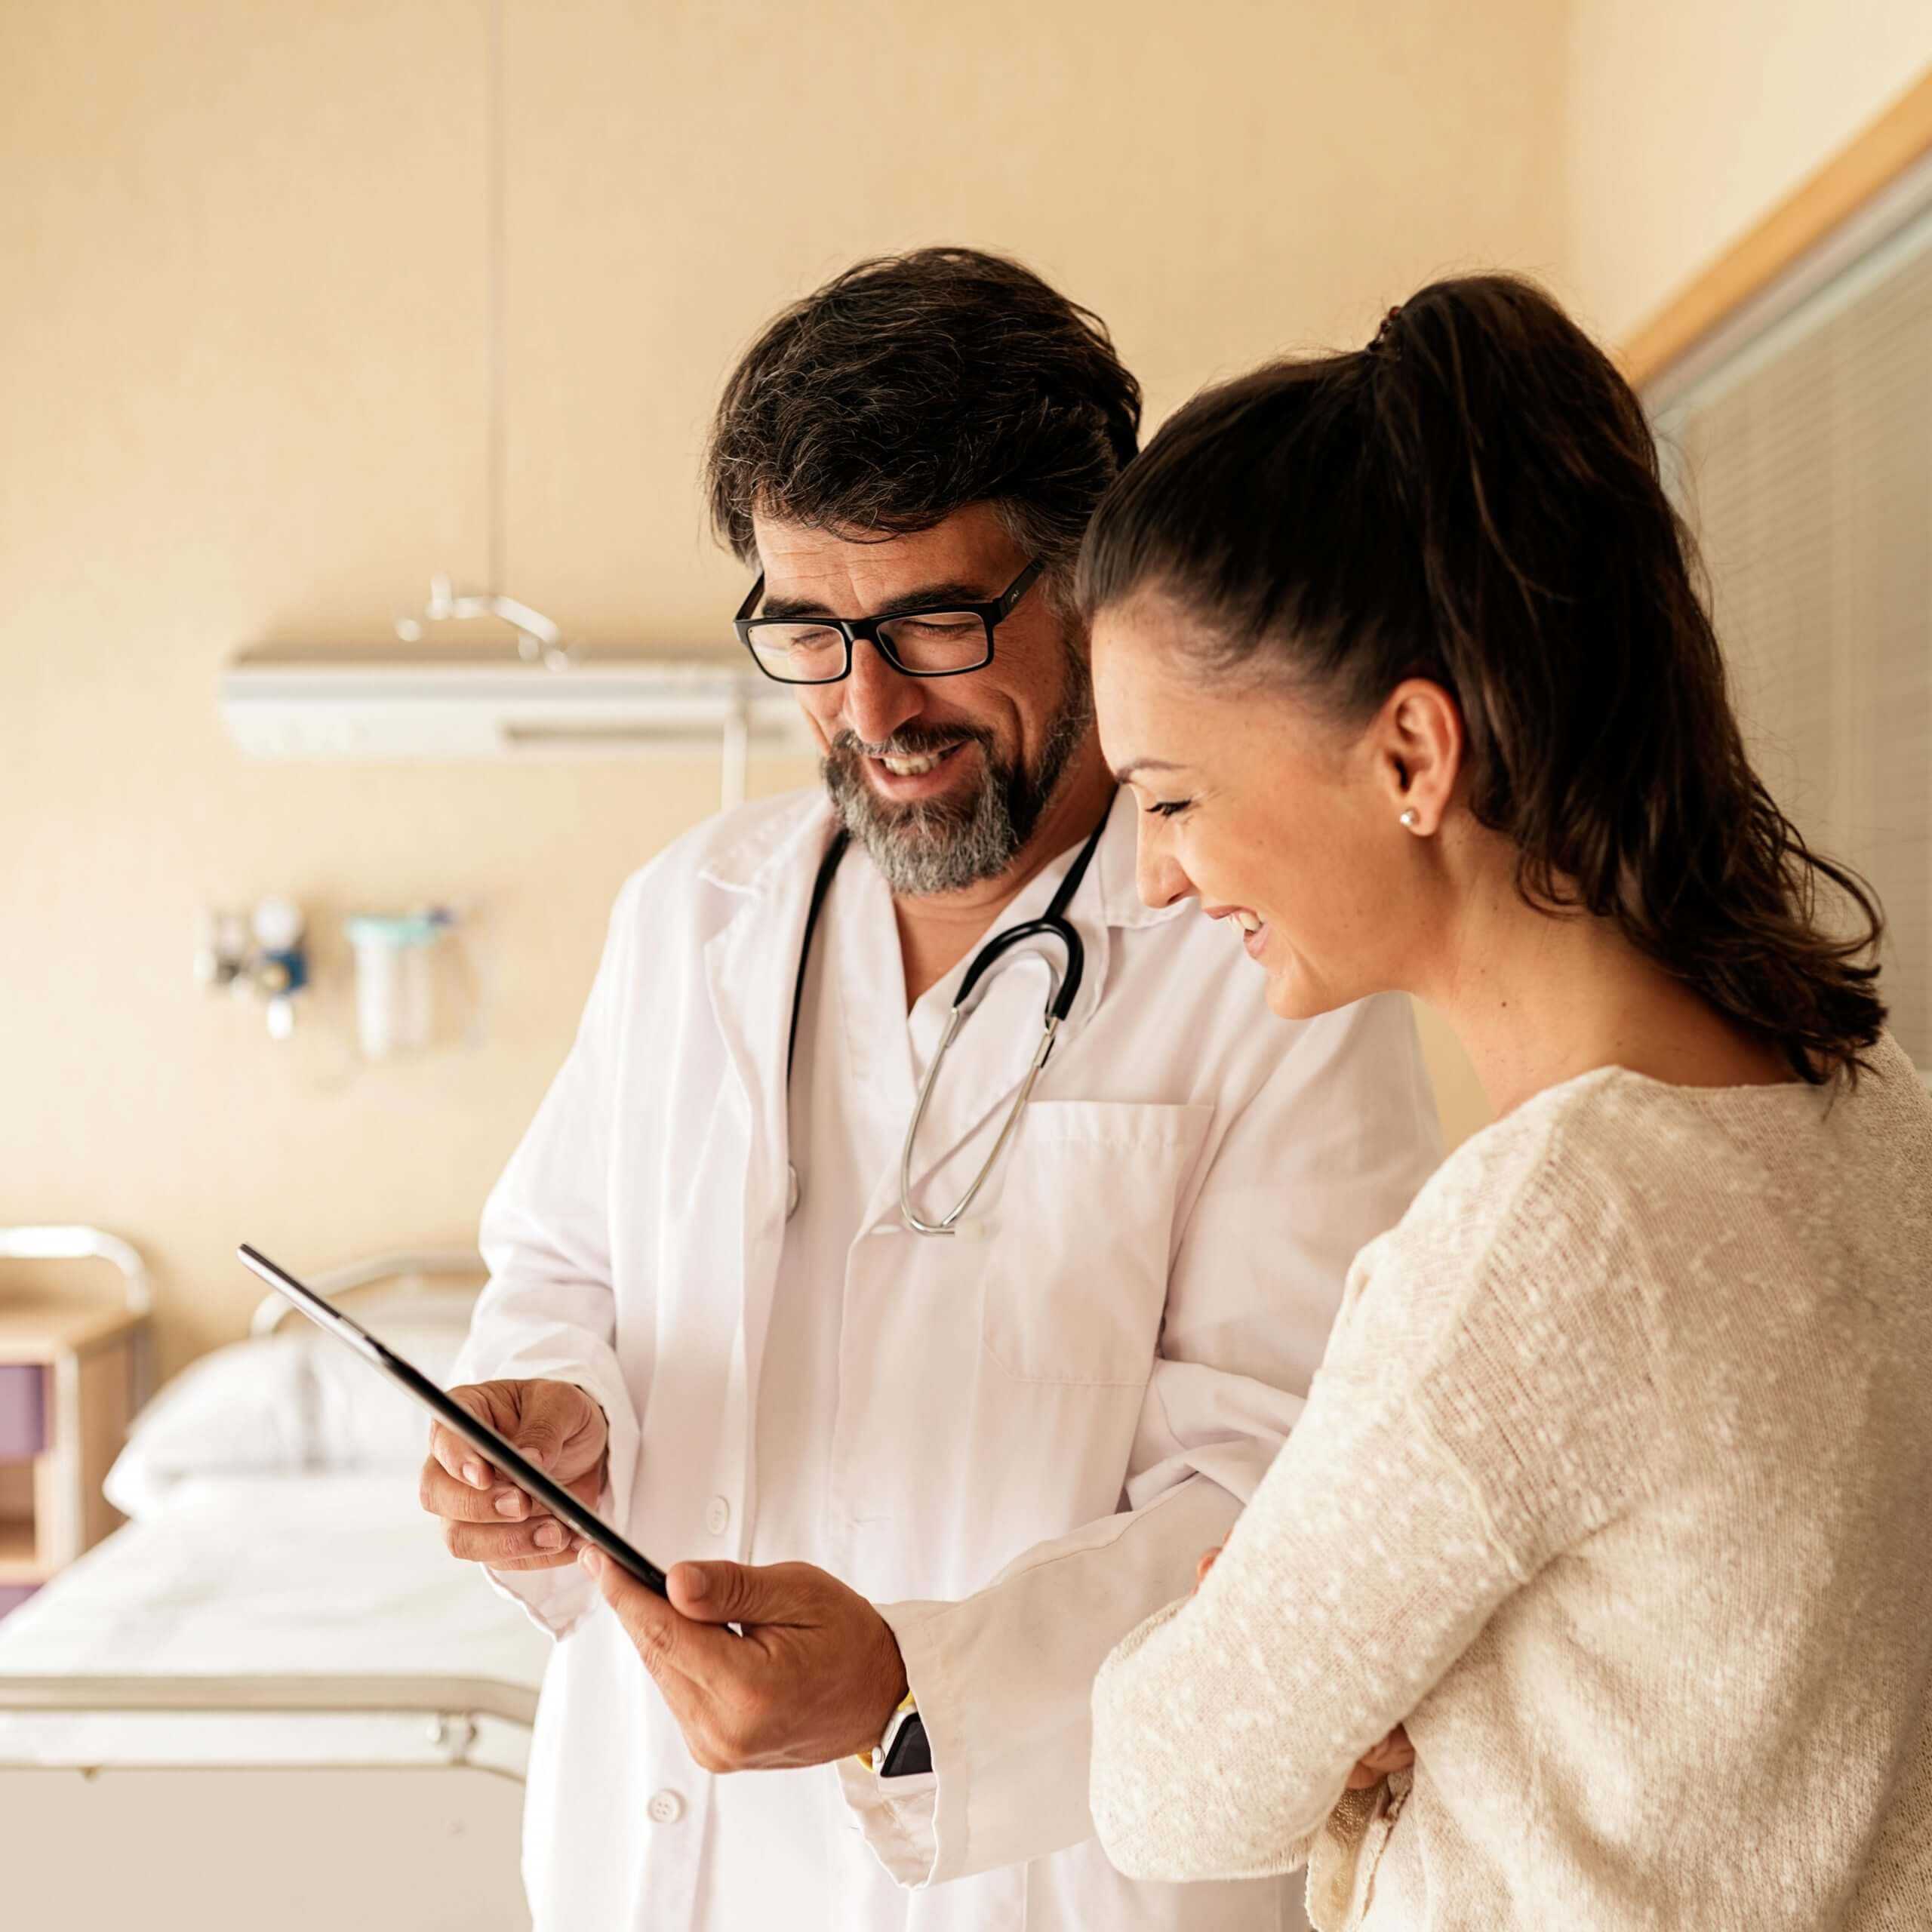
{"x": 1016, "y": 1446}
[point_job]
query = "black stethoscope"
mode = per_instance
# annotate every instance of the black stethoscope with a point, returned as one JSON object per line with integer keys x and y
{"x": 1054, "y": 925}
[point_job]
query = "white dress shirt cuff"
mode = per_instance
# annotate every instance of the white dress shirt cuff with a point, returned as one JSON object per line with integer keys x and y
{"x": 899, "y": 1816}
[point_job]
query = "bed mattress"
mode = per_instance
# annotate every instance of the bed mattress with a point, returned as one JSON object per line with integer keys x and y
{"x": 279, "y": 1619}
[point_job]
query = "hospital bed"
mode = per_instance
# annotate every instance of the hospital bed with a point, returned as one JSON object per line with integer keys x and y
{"x": 272, "y": 1697}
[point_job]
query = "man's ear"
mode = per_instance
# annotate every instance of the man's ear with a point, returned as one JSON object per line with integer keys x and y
{"x": 1419, "y": 752}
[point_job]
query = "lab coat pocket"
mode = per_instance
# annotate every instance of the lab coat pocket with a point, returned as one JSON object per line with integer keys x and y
{"x": 1074, "y": 1292}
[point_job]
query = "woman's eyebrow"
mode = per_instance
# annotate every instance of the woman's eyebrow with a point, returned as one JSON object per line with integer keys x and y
{"x": 1127, "y": 771}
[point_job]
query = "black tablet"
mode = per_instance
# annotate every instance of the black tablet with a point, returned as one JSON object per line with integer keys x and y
{"x": 513, "y": 1467}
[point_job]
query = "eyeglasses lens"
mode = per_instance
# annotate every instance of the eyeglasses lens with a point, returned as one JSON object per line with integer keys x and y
{"x": 798, "y": 654}
{"x": 933, "y": 641}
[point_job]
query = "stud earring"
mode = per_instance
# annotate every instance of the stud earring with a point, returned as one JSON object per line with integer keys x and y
{"x": 1410, "y": 818}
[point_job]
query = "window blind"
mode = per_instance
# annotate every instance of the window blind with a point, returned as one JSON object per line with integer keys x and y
{"x": 1800, "y": 450}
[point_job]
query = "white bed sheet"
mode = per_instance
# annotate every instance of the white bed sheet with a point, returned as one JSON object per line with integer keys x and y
{"x": 337, "y": 1580}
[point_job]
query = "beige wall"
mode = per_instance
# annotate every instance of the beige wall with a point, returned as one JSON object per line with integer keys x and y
{"x": 241, "y": 373}
{"x": 1690, "y": 119}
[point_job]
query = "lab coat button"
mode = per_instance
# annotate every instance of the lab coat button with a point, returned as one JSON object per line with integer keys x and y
{"x": 718, "y": 1515}
{"x": 665, "y": 1807}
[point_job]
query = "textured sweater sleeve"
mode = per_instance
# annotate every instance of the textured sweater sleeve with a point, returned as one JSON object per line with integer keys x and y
{"x": 1475, "y": 1414}
{"x": 1224, "y": 1727}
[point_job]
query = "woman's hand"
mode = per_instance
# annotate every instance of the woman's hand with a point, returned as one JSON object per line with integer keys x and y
{"x": 1395, "y": 1753}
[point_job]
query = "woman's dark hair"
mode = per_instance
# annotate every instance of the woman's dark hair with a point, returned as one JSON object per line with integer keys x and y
{"x": 911, "y": 386}
{"x": 1474, "y": 499}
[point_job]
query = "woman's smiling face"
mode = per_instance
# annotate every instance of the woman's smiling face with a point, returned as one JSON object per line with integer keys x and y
{"x": 1282, "y": 821}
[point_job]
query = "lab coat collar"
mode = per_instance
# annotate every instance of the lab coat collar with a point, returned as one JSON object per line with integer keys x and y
{"x": 761, "y": 857}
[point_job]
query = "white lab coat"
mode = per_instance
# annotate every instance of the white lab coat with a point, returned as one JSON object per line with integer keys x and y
{"x": 1038, "y": 1431}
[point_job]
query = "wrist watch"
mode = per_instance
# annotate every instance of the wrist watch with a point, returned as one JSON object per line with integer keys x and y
{"x": 903, "y": 1751}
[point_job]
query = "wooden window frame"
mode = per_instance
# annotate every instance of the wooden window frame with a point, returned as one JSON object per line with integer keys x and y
{"x": 1872, "y": 161}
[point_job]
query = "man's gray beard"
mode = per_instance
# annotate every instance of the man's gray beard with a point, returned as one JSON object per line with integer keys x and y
{"x": 946, "y": 845}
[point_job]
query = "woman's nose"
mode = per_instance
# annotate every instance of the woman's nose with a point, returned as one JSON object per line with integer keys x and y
{"x": 1157, "y": 872}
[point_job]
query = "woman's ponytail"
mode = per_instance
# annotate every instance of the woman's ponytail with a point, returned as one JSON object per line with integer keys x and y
{"x": 1475, "y": 499}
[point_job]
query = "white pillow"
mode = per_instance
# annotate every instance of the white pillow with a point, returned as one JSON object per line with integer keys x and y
{"x": 281, "y": 1405}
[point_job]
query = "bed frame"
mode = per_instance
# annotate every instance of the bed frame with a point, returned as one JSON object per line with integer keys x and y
{"x": 302, "y": 1802}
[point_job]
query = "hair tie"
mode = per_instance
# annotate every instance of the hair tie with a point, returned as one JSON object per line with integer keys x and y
{"x": 1385, "y": 340}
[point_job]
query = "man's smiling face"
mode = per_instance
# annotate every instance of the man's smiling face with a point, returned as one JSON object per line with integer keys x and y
{"x": 943, "y": 780}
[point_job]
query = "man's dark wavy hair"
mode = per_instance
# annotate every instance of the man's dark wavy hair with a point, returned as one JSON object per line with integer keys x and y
{"x": 913, "y": 385}
{"x": 1475, "y": 499}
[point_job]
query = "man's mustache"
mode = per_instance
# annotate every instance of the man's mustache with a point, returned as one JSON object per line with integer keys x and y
{"x": 913, "y": 741}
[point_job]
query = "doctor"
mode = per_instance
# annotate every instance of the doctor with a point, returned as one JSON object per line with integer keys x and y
{"x": 934, "y": 1475}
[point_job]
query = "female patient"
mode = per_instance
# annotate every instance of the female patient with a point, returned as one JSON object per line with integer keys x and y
{"x": 1615, "y": 1488}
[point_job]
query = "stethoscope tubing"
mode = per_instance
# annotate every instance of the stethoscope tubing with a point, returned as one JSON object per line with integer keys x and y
{"x": 1053, "y": 924}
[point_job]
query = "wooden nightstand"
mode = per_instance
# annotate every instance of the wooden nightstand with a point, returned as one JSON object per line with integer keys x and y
{"x": 72, "y": 1374}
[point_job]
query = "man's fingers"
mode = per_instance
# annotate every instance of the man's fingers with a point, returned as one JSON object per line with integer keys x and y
{"x": 510, "y": 1546}
{"x": 452, "y": 1452}
{"x": 462, "y": 1462}
{"x": 709, "y": 1592}
{"x": 653, "y": 1627}
{"x": 539, "y": 1438}
{"x": 700, "y": 1672}
{"x": 665, "y": 1639}
{"x": 555, "y": 1425}
{"x": 560, "y": 1428}
{"x": 744, "y": 1593}
{"x": 450, "y": 1497}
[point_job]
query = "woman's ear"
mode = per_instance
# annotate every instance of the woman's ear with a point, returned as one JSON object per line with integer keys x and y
{"x": 1419, "y": 751}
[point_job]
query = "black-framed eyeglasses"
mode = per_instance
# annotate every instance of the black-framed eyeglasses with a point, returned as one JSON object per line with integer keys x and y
{"x": 940, "y": 642}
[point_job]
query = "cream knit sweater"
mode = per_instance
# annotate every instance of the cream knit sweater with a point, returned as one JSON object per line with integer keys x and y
{"x": 1616, "y": 1486}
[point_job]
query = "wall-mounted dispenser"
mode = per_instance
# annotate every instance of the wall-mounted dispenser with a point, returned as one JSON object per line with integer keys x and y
{"x": 397, "y": 956}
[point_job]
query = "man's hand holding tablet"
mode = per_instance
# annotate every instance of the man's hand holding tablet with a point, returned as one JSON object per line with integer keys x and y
{"x": 816, "y": 1672}
{"x": 489, "y": 1521}
{"x": 548, "y": 1438}
{"x": 811, "y": 1672}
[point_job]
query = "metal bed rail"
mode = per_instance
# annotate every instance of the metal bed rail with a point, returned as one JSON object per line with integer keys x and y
{"x": 265, "y": 1722}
